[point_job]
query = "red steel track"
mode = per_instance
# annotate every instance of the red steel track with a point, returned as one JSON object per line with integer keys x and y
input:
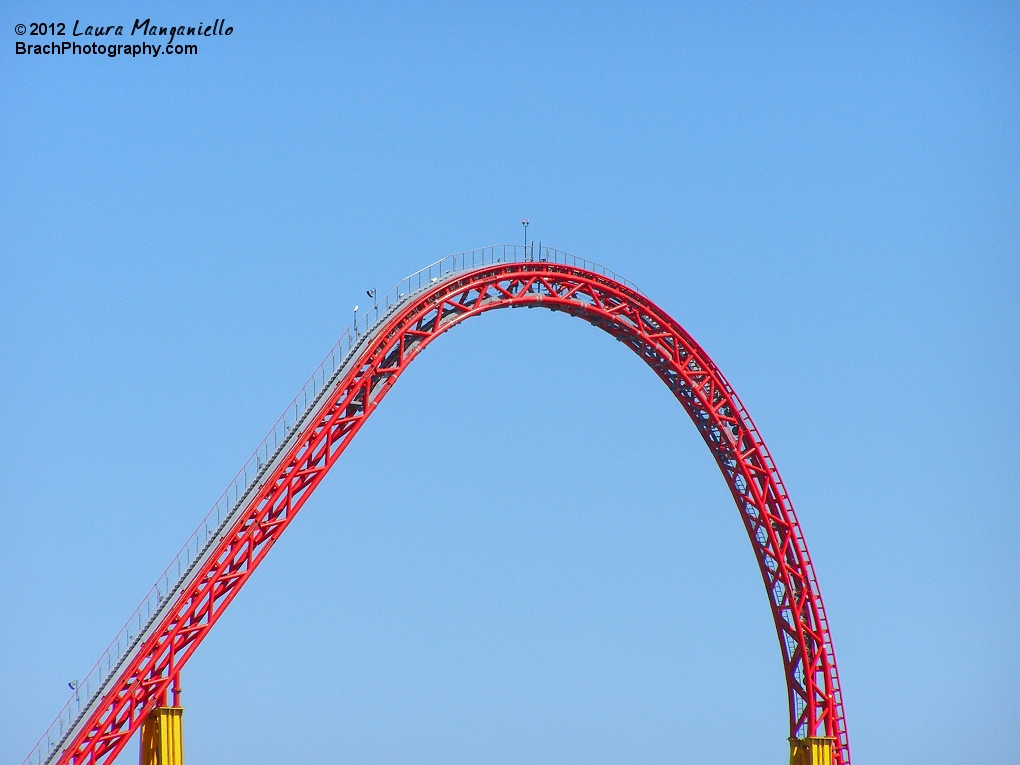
{"x": 815, "y": 701}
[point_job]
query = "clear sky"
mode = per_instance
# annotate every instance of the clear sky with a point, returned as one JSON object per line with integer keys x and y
{"x": 527, "y": 555}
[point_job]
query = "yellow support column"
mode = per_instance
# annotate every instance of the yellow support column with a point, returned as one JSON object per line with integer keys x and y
{"x": 816, "y": 750}
{"x": 162, "y": 740}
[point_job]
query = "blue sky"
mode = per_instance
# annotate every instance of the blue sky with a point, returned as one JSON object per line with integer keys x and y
{"x": 527, "y": 555}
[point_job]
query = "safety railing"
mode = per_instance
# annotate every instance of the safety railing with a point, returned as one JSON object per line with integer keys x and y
{"x": 217, "y": 520}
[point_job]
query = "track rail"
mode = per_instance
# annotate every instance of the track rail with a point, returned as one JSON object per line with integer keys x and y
{"x": 372, "y": 362}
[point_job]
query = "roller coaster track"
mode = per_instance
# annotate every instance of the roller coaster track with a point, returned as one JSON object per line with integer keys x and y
{"x": 135, "y": 674}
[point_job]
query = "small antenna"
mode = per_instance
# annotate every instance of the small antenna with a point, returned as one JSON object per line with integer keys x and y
{"x": 525, "y": 222}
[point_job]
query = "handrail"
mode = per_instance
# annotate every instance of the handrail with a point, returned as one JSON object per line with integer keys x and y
{"x": 90, "y": 690}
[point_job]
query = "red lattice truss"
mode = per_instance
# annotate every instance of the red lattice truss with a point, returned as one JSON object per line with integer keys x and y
{"x": 815, "y": 702}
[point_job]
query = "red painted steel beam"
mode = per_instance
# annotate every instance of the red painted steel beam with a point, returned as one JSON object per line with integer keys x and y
{"x": 815, "y": 701}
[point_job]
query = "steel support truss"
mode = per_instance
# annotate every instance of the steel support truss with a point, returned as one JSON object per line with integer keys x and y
{"x": 815, "y": 701}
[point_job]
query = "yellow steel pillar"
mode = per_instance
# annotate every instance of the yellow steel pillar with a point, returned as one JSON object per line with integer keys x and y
{"x": 816, "y": 750}
{"x": 162, "y": 737}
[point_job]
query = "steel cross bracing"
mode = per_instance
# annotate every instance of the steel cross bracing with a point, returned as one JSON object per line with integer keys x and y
{"x": 381, "y": 355}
